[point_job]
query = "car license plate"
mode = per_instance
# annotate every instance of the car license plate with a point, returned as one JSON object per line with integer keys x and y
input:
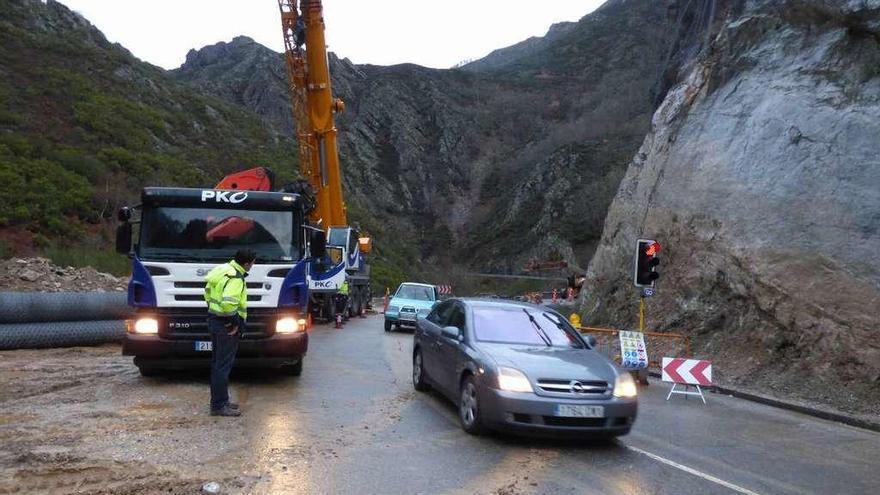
{"x": 569, "y": 411}
{"x": 203, "y": 346}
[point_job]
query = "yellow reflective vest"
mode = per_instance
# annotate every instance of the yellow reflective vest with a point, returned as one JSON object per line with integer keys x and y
{"x": 226, "y": 291}
{"x": 344, "y": 288}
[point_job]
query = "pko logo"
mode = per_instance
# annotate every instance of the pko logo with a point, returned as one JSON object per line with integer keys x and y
{"x": 225, "y": 196}
{"x": 324, "y": 285}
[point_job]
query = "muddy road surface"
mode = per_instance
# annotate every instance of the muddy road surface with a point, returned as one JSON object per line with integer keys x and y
{"x": 82, "y": 420}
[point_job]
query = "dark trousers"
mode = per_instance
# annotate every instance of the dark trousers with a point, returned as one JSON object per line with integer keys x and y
{"x": 223, "y": 349}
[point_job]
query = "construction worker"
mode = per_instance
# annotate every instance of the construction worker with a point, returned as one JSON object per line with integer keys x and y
{"x": 342, "y": 299}
{"x": 226, "y": 295}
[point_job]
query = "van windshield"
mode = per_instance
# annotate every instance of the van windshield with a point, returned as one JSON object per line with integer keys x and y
{"x": 415, "y": 292}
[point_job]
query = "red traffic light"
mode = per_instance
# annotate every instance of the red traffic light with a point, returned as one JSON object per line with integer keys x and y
{"x": 653, "y": 248}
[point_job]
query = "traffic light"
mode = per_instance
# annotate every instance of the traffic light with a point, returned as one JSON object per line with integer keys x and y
{"x": 646, "y": 263}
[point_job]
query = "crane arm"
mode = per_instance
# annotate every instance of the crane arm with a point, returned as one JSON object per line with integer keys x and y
{"x": 305, "y": 52}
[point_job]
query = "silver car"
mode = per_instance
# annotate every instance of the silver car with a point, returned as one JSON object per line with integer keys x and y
{"x": 516, "y": 366}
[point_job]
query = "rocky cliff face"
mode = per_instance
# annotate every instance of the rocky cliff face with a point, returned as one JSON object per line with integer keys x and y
{"x": 455, "y": 164}
{"x": 761, "y": 178}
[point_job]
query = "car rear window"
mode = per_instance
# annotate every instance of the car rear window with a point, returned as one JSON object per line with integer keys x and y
{"x": 513, "y": 326}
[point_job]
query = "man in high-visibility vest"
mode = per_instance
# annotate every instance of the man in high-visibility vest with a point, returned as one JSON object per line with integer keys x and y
{"x": 342, "y": 298}
{"x": 226, "y": 295}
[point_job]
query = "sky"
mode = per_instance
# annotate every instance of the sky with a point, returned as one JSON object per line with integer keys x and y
{"x": 432, "y": 33}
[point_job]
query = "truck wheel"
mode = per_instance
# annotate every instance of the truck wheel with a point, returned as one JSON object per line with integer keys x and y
{"x": 387, "y": 325}
{"x": 294, "y": 369}
{"x": 145, "y": 371}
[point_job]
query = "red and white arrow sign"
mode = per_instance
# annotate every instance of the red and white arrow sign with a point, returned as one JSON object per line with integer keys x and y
{"x": 687, "y": 371}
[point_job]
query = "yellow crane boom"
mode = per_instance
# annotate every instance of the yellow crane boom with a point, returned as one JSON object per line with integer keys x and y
{"x": 314, "y": 106}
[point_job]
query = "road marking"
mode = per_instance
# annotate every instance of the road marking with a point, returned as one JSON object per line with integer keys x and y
{"x": 692, "y": 471}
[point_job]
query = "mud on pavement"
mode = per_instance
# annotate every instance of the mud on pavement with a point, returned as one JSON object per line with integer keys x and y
{"x": 82, "y": 420}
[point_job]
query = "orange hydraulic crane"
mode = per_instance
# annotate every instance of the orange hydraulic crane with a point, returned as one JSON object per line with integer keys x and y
{"x": 314, "y": 106}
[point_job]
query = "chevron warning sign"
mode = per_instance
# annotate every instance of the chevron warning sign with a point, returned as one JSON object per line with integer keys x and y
{"x": 687, "y": 371}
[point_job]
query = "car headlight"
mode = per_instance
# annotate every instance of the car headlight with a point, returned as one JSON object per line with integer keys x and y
{"x": 625, "y": 386}
{"x": 513, "y": 380}
{"x": 146, "y": 326}
{"x": 393, "y": 309}
{"x": 290, "y": 325}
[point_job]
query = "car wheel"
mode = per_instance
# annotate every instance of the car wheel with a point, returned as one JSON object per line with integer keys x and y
{"x": 294, "y": 369}
{"x": 387, "y": 325}
{"x": 149, "y": 371}
{"x": 419, "y": 382}
{"x": 469, "y": 408}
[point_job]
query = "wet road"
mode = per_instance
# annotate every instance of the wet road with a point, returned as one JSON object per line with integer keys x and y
{"x": 82, "y": 420}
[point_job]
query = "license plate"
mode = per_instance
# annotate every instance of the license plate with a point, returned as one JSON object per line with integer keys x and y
{"x": 203, "y": 346}
{"x": 569, "y": 411}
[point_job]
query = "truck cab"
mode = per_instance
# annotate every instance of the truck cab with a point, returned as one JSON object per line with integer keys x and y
{"x": 182, "y": 234}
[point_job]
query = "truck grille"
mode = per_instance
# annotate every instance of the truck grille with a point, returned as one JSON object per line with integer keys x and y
{"x": 201, "y": 285}
{"x": 192, "y": 323}
{"x": 200, "y": 297}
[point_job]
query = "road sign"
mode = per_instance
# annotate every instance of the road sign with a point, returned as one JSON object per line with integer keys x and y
{"x": 633, "y": 352}
{"x": 687, "y": 372}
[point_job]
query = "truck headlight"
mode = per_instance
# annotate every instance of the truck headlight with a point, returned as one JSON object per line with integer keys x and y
{"x": 290, "y": 325}
{"x": 625, "y": 386}
{"x": 513, "y": 380}
{"x": 146, "y": 326}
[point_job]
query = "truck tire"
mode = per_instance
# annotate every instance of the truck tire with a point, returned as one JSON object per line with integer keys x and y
{"x": 294, "y": 369}
{"x": 148, "y": 372}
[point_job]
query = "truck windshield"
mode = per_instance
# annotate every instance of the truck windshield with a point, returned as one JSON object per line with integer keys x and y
{"x": 206, "y": 234}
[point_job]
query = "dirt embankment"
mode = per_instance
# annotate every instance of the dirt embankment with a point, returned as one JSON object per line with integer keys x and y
{"x": 40, "y": 275}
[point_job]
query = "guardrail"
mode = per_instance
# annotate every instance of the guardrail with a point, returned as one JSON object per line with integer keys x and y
{"x": 659, "y": 345}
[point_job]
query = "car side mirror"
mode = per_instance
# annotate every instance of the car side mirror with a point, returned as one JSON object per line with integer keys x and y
{"x": 123, "y": 238}
{"x": 453, "y": 333}
{"x": 591, "y": 341}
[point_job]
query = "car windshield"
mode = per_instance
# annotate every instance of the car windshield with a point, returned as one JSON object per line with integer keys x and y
{"x": 513, "y": 326}
{"x": 207, "y": 234}
{"x": 416, "y": 292}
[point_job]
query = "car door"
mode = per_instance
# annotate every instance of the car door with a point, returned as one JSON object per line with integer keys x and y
{"x": 450, "y": 352}
{"x": 430, "y": 336}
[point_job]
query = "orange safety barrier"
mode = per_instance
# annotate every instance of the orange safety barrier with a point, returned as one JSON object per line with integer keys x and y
{"x": 659, "y": 345}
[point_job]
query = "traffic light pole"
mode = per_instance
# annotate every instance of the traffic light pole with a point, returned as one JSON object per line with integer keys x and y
{"x": 642, "y": 313}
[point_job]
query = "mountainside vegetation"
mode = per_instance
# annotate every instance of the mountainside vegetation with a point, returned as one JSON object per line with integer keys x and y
{"x": 84, "y": 125}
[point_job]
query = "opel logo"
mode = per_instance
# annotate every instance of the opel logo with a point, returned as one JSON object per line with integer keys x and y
{"x": 577, "y": 387}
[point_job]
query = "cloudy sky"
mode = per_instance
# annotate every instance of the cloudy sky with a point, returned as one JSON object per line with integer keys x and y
{"x": 432, "y": 33}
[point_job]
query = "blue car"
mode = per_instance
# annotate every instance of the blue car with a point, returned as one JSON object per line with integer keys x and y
{"x": 410, "y": 302}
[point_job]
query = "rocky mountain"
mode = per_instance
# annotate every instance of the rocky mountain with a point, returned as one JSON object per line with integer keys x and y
{"x": 454, "y": 165}
{"x": 504, "y": 57}
{"x": 761, "y": 177}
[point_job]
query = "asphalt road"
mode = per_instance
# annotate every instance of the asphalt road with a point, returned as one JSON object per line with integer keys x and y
{"x": 82, "y": 420}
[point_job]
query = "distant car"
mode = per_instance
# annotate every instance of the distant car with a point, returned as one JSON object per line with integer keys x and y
{"x": 410, "y": 301}
{"x": 521, "y": 367}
